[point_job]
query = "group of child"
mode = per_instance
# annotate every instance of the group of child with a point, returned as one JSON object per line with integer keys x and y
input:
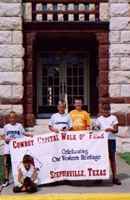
{"x": 78, "y": 119}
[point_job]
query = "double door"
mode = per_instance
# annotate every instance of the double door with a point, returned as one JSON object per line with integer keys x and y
{"x": 61, "y": 77}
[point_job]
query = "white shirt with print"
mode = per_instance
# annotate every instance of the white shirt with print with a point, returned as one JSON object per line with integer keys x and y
{"x": 107, "y": 122}
{"x": 14, "y": 131}
{"x": 60, "y": 121}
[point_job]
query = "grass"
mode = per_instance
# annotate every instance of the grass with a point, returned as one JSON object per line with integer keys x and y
{"x": 126, "y": 156}
{"x": 1, "y": 168}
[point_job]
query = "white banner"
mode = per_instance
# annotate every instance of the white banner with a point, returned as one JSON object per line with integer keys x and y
{"x": 65, "y": 156}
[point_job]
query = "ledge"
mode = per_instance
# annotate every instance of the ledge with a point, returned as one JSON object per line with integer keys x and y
{"x": 66, "y": 25}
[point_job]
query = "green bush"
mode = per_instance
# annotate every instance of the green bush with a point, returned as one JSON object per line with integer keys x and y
{"x": 126, "y": 156}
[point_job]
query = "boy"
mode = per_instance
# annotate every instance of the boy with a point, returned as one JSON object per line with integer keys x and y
{"x": 80, "y": 118}
{"x": 27, "y": 176}
{"x": 60, "y": 121}
{"x": 12, "y": 130}
{"x": 109, "y": 123}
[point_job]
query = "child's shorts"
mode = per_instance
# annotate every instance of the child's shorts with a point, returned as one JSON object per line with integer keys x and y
{"x": 112, "y": 147}
{"x": 6, "y": 149}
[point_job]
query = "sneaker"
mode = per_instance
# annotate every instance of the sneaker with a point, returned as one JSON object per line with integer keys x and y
{"x": 116, "y": 181}
{"x": 5, "y": 183}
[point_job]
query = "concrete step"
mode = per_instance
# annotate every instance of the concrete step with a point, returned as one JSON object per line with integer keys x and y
{"x": 40, "y": 129}
{"x": 43, "y": 122}
{"x": 41, "y": 126}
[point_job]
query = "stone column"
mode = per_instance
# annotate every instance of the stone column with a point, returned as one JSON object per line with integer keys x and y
{"x": 11, "y": 57}
{"x": 119, "y": 62}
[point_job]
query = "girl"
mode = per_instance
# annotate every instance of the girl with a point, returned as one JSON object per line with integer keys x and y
{"x": 27, "y": 177}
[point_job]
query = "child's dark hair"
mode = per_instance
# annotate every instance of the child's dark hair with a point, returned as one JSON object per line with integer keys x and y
{"x": 28, "y": 159}
{"x": 105, "y": 107}
{"x": 13, "y": 112}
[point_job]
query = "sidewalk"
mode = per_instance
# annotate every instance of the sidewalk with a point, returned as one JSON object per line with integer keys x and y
{"x": 105, "y": 187}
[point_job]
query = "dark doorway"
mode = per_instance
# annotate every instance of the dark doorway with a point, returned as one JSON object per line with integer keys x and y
{"x": 66, "y": 67}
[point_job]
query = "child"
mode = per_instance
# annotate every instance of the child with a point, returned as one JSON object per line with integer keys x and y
{"x": 60, "y": 121}
{"x": 109, "y": 123}
{"x": 80, "y": 118}
{"x": 12, "y": 130}
{"x": 27, "y": 176}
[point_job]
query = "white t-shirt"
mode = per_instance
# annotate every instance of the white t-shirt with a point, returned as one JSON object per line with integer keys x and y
{"x": 107, "y": 122}
{"x": 25, "y": 173}
{"x": 60, "y": 121}
{"x": 14, "y": 131}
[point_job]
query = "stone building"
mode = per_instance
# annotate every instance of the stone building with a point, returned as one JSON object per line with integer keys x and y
{"x": 51, "y": 49}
